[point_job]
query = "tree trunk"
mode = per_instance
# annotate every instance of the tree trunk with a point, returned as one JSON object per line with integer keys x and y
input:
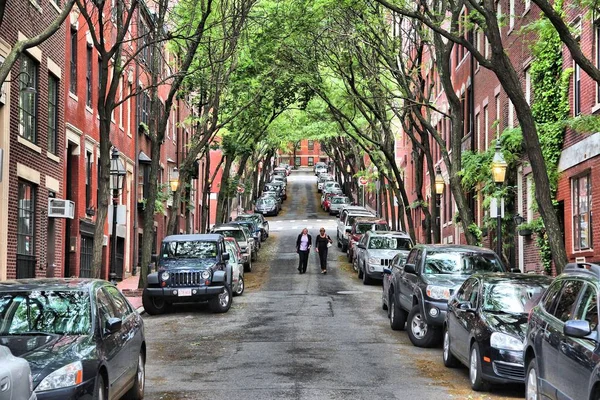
{"x": 223, "y": 197}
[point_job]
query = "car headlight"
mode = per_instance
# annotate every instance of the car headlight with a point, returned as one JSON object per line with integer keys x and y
{"x": 374, "y": 260}
{"x": 503, "y": 341}
{"x": 205, "y": 274}
{"x": 438, "y": 292}
{"x": 69, "y": 375}
{"x": 164, "y": 275}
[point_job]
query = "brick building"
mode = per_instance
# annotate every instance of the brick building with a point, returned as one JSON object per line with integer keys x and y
{"x": 308, "y": 153}
{"x": 32, "y": 142}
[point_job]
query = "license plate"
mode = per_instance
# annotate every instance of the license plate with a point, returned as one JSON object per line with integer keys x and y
{"x": 184, "y": 292}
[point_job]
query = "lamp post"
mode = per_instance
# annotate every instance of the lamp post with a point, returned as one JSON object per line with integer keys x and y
{"x": 439, "y": 190}
{"x": 498, "y": 173}
{"x": 117, "y": 173}
{"x": 174, "y": 180}
{"x": 376, "y": 172}
{"x": 348, "y": 183}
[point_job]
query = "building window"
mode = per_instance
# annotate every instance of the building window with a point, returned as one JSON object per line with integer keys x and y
{"x": 511, "y": 114}
{"x": 143, "y": 181}
{"x": 576, "y": 90}
{"x": 297, "y": 162}
{"x": 73, "y": 70}
{"x": 88, "y": 77}
{"x": 597, "y": 50}
{"x": 582, "y": 212}
{"x": 144, "y": 108}
{"x": 25, "y": 231}
{"x": 27, "y": 100}
{"x": 311, "y": 161}
{"x": 511, "y": 14}
{"x": 486, "y": 127}
{"x": 498, "y": 116}
{"x": 527, "y": 5}
{"x": 52, "y": 113}
{"x": 88, "y": 179}
{"x": 311, "y": 145}
{"x": 528, "y": 86}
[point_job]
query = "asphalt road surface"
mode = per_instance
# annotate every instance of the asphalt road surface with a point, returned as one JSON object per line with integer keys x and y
{"x": 294, "y": 336}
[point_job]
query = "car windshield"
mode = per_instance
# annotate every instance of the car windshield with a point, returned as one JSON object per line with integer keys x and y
{"x": 446, "y": 262}
{"x": 271, "y": 188}
{"x": 237, "y": 234}
{"x": 189, "y": 249}
{"x": 265, "y": 202}
{"x": 61, "y": 312}
{"x": 365, "y": 227}
{"x": 514, "y": 296}
{"x": 390, "y": 243}
{"x": 340, "y": 200}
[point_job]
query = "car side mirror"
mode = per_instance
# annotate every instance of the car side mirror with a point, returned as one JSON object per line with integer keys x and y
{"x": 348, "y": 230}
{"x": 387, "y": 271}
{"x": 154, "y": 258}
{"x": 465, "y": 306}
{"x": 361, "y": 246}
{"x": 113, "y": 325}
{"x": 410, "y": 268}
{"x": 577, "y": 328}
{"x": 225, "y": 257}
{"x": 515, "y": 270}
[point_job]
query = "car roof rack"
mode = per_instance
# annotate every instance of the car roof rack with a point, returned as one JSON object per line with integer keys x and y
{"x": 585, "y": 267}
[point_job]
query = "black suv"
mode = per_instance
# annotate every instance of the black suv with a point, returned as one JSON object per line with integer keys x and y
{"x": 419, "y": 289}
{"x": 562, "y": 353}
{"x": 191, "y": 268}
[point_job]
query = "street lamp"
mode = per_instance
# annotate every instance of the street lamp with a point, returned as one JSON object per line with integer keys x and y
{"x": 439, "y": 190}
{"x": 498, "y": 173}
{"x": 174, "y": 180}
{"x": 117, "y": 173}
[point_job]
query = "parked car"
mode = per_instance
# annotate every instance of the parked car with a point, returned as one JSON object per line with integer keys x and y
{"x": 319, "y": 169}
{"x": 16, "y": 381}
{"x": 327, "y": 195}
{"x": 191, "y": 269}
{"x": 81, "y": 337}
{"x": 271, "y": 187}
{"x": 243, "y": 239}
{"x": 254, "y": 243}
{"x": 282, "y": 191}
{"x": 359, "y": 227}
{"x": 253, "y": 229}
{"x": 267, "y": 206}
{"x": 337, "y": 202}
{"x": 329, "y": 185}
{"x": 280, "y": 180}
{"x": 376, "y": 250}
{"x": 562, "y": 343}
{"x": 321, "y": 181}
{"x": 237, "y": 266}
{"x": 259, "y": 219}
{"x": 486, "y": 323}
{"x": 281, "y": 172}
{"x": 396, "y": 263}
{"x": 347, "y": 217}
{"x": 420, "y": 290}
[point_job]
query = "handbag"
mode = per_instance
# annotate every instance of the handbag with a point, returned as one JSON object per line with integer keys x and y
{"x": 328, "y": 244}
{"x": 329, "y": 241}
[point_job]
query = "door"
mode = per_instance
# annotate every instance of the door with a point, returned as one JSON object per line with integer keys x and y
{"x": 407, "y": 281}
{"x": 87, "y": 250}
{"x": 111, "y": 347}
{"x": 131, "y": 335}
{"x": 120, "y": 257}
{"x": 578, "y": 357}
{"x": 553, "y": 370}
{"x": 464, "y": 319}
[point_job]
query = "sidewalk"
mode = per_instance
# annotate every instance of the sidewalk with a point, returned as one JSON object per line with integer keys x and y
{"x": 129, "y": 288}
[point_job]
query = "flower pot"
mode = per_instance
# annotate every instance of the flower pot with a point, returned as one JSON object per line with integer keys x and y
{"x": 525, "y": 232}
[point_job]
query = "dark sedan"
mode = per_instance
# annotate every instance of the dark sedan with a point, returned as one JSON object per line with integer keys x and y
{"x": 486, "y": 324}
{"x": 81, "y": 337}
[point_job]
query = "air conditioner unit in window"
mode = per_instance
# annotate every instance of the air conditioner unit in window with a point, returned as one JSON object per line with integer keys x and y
{"x": 58, "y": 208}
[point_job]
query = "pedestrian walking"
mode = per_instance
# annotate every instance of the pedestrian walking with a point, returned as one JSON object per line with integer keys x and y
{"x": 322, "y": 244}
{"x": 303, "y": 245}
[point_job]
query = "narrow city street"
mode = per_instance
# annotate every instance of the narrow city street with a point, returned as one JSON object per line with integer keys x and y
{"x": 294, "y": 336}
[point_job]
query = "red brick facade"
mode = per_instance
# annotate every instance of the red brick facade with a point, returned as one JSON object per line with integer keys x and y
{"x": 308, "y": 153}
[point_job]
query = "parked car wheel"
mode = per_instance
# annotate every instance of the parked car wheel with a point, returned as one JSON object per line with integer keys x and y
{"x": 137, "y": 390}
{"x": 397, "y": 315}
{"x": 419, "y": 332}
{"x": 240, "y": 288}
{"x": 365, "y": 278}
{"x": 254, "y": 255}
{"x": 531, "y": 381}
{"x": 100, "y": 389}
{"x": 339, "y": 242}
{"x": 344, "y": 247}
{"x": 222, "y": 302}
{"x": 449, "y": 360}
{"x": 349, "y": 256}
{"x": 384, "y": 306}
{"x": 248, "y": 266}
{"x": 360, "y": 272}
{"x": 475, "y": 375}
{"x": 154, "y": 305}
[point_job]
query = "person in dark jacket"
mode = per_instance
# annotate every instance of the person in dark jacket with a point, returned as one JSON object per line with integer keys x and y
{"x": 303, "y": 245}
{"x": 322, "y": 244}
